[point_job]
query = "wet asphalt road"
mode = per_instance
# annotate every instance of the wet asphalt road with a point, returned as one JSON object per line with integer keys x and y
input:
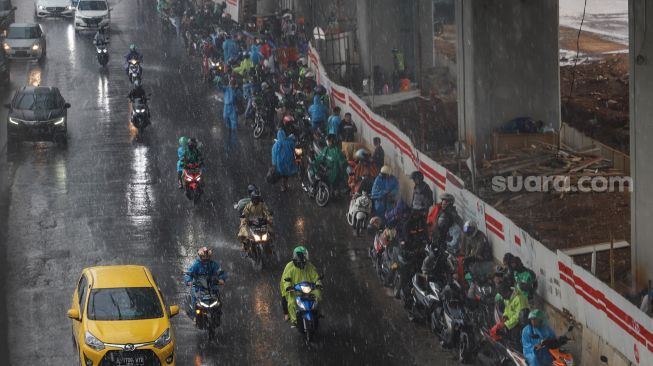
{"x": 110, "y": 199}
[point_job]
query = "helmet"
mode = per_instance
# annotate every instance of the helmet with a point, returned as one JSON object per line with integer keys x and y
{"x": 255, "y": 195}
{"x": 266, "y": 63}
{"x": 416, "y": 175}
{"x": 469, "y": 227}
{"x": 309, "y": 75}
{"x": 183, "y": 141}
{"x": 447, "y": 197}
{"x": 192, "y": 143}
{"x": 386, "y": 170}
{"x": 300, "y": 256}
{"x": 204, "y": 253}
{"x": 361, "y": 155}
{"x": 331, "y": 137}
{"x": 288, "y": 120}
{"x": 319, "y": 89}
{"x": 132, "y": 47}
{"x": 536, "y": 314}
{"x": 469, "y": 277}
{"x": 265, "y": 85}
{"x": 251, "y": 188}
{"x": 301, "y": 61}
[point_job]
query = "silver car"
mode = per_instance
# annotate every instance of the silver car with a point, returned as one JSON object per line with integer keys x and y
{"x": 25, "y": 41}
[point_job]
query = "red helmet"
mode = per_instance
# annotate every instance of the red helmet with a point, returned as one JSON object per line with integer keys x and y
{"x": 288, "y": 120}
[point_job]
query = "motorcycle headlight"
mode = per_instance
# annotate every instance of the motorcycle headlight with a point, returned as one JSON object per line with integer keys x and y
{"x": 104, "y": 50}
{"x": 93, "y": 342}
{"x": 299, "y": 151}
{"x": 13, "y": 120}
{"x": 306, "y": 289}
{"x": 140, "y": 111}
{"x": 300, "y": 304}
{"x": 188, "y": 178}
{"x": 133, "y": 62}
{"x": 164, "y": 339}
{"x": 257, "y": 237}
{"x": 59, "y": 121}
{"x": 265, "y": 237}
{"x": 214, "y": 304}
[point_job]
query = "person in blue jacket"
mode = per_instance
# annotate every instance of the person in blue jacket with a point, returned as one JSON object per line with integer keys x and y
{"x": 532, "y": 337}
{"x": 333, "y": 123}
{"x": 384, "y": 191}
{"x": 318, "y": 113}
{"x": 283, "y": 157}
{"x": 229, "y": 49}
{"x": 231, "y": 95}
{"x": 203, "y": 267}
{"x": 181, "y": 151}
{"x": 255, "y": 52}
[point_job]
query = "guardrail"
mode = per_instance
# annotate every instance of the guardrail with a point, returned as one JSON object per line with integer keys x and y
{"x": 562, "y": 284}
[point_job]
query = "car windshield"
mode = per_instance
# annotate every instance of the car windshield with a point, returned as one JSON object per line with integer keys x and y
{"x": 23, "y": 33}
{"x": 36, "y": 101}
{"x": 131, "y": 303}
{"x": 92, "y": 5}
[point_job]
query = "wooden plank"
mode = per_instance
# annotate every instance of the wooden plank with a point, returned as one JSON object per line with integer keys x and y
{"x": 585, "y": 165}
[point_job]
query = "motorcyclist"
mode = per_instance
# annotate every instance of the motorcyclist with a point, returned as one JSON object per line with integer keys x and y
{"x": 318, "y": 112}
{"x": 270, "y": 101}
{"x": 254, "y": 210}
{"x": 422, "y": 193}
{"x": 137, "y": 92}
{"x": 335, "y": 162}
{"x": 532, "y": 338}
{"x": 384, "y": 191}
{"x": 193, "y": 155}
{"x": 300, "y": 269}
{"x": 363, "y": 174}
{"x": 133, "y": 54}
{"x": 476, "y": 251}
{"x": 181, "y": 151}
{"x": 203, "y": 266}
{"x": 515, "y": 301}
{"x": 101, "y": 39}
{"x": 229, "y": 49}
{"x": 524, "y": 277}
{"x": 447, "y": 216}
{"x": 245, "y": 65}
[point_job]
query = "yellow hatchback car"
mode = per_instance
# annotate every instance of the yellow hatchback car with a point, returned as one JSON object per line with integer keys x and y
{"x": 120, "y": 318}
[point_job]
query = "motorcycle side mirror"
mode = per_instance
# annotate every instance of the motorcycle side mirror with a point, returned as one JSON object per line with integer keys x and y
{"x": 174, "y": 310}
{"x": 604, "y": 359}
{"x": 236, "y": 206}
{"x": 67, "y": 105}
{"x": 287, "y": 279}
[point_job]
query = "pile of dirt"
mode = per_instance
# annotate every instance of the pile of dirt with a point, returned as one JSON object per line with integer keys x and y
{"x": 597, "y": 105}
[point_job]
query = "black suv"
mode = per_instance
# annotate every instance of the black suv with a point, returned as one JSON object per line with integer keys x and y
{"x": 37, "y": 113}
{"x": 4, "y": 67}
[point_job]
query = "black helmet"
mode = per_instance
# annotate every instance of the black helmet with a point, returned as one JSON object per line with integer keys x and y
{"x": 250, "y": 189}
{"x": 255, "y": 195}
{"x": 417, "y": 175}
{"x": 192, "y": 143}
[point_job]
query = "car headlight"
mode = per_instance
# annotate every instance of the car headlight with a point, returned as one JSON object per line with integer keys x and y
{"x": 164, "y": 339}
{"x": 13, "y": 120}
{"x": 70, "y": 7}
{"x": 59, "y": 121}
{"x": 35, "y": 47}
{"x": 93, "y": 342}
{"x": 6, "y": 46}
{"x": 306, "y": 289}
{"x": 257, "y": 237}
{"x": 41, "y": 7}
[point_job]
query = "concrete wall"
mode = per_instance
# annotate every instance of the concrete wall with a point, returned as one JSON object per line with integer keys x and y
{"x": 508, "y": 65}
{"x": 641, "y": 135}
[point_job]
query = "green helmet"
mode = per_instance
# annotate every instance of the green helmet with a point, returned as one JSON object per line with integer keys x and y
{"x": 132, "y": 47}
{"x": 536, "y": 314}
{"x": 469, "y": 277}
{"x": 183, "y": 141}
{"x": 300, "y": 256}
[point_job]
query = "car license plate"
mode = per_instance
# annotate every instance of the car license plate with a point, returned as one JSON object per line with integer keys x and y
{"x": 21, "y": 54}
{"x": 130, "y": 361}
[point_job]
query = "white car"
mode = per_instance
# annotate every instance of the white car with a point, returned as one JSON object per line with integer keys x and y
{"x": 25, "y": 41}
{"x": 92, "y": 15}
{"x": 53, "y": 8}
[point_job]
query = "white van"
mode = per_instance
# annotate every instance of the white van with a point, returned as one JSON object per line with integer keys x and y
{"x": 92, "y": 15}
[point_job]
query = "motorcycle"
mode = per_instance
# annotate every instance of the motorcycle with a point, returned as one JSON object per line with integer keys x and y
{"x": 307, "y": 308}
{"x": 216, "y": 69}
{"x": 192, "y": 181}
{"x": 102, "y": 54}
{"x": 561, "y": 357}
{"x": 427, "y": 288}
{"x": 316, "y": 185}
{"x": 407, "y": 264}
{"x": 135, "y": 71}
{"x": 140, "y": 116}
{"x": 360, "y": 209}
{"x": 208, "y": 304}
{"x": 498, "y": 350}
{"x": 384, "y": 255}
{"x": 259, "y": 243}
{"x": 258, "y": 121}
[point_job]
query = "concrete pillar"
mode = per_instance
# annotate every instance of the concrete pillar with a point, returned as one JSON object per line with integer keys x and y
{"x": 507, "y": 66}
{"x": 641, "y": 135}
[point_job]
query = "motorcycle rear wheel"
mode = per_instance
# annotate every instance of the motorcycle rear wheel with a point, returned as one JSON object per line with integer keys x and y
{"x": 464, "y": 348}
{"x": 322, "y": 195}
{"x": 259, "y": 128}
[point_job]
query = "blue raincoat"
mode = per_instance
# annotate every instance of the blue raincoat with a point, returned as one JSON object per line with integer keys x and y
{"x": 229, "y": 49}
{"x": 255, "y": 54}
{"x": 199, "y": 269}
{"x": 333, "y": 125}
{"x": 180, "y": 154}
{"x": 283, "y": 155}
{"x": 318, "y": 112}
{"x": 380, "y": 190}
{"x": 541, "y": 357}
{"x": 229, "y": 115}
